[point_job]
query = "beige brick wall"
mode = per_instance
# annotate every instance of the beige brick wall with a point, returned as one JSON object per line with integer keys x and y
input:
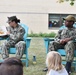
{"x": 33, "y": 13}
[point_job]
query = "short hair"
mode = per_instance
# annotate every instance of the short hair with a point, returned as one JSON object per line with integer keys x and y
{"x": 11, "y": 66}
{"x": 53, "y": 61}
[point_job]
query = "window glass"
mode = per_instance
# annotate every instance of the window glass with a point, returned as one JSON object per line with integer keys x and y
{"x": 56, "y": 20}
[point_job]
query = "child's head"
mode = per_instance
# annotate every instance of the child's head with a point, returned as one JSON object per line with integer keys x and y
{"x": 11, "y": 66}
{"x": 53, "y": 61}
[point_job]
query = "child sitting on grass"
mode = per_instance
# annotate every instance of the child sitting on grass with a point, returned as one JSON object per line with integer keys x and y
{"x": 54, "y": 64}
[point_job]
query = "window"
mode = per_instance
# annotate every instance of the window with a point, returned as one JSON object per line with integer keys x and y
{"x": 56, "y": 20}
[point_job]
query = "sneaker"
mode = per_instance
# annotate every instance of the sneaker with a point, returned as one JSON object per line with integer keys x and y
{"x": 69, "y": 73}
{"x": 45, "y": 69}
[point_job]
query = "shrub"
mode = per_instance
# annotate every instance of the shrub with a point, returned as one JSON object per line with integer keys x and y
{"x": 52, "y": 34}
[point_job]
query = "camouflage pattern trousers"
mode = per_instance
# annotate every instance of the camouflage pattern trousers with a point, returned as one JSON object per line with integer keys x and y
{"x": 69, "y": 48}
{"x": 20, "y": 47}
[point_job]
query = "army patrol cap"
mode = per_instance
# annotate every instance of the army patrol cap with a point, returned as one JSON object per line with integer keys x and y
{"x": 11, "y": 18}
{"x": 70, "y": 18}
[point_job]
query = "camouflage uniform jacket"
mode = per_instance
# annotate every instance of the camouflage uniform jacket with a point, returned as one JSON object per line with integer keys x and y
{"x": 66, "y": 33}
{"x": 16, "y": 34}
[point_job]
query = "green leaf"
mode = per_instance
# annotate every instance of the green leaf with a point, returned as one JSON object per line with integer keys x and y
{"x": 72, "y": 3}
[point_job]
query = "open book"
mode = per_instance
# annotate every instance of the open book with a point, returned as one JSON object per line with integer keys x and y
{"x": 3, "y": 30}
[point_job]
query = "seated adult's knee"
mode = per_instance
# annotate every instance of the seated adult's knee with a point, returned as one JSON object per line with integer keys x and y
{"x": 20, "y": 43}
{"x": 53, "y": 42}
{"x": 70, "y": 42}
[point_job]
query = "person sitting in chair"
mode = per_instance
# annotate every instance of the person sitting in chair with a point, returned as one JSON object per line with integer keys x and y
{"x": 64, "y": 39}
{"x": 15, "y": 33}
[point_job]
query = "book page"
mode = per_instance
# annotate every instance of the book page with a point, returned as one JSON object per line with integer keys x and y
{"x": 3, "y": 30}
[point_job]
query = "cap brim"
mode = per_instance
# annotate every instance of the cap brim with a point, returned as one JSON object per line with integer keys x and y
{"x": 64, "y": 19}
{"x": 8, "y": 21}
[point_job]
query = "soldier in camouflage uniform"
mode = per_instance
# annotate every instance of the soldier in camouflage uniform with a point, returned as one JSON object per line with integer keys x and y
{"x": 64, "y": 39}
{"x": 15, "y": 33}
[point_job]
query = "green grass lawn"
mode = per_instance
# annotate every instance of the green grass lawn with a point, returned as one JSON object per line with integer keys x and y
{"x": 36, "y": 48}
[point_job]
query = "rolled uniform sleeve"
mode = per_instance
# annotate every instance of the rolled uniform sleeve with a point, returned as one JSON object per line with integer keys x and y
{"x": 66, "y": 33}
{"x": 16, "y": 34}
{"x": 58, "y": 36}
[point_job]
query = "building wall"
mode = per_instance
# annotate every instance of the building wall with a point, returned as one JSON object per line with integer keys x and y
{"x": 34, "y": 13}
